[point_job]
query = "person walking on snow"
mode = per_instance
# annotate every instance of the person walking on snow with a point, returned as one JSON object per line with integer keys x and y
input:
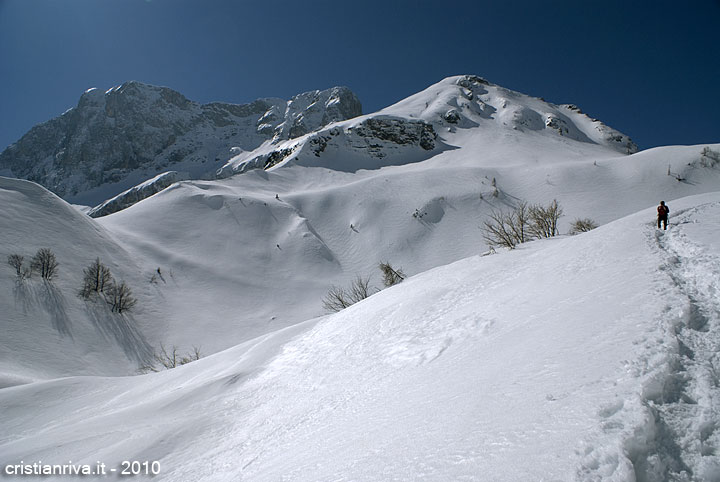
{"x": 663, "y": 212}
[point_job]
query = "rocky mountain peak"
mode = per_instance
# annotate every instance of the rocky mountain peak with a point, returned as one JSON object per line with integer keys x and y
{"x": 115, "y": 139}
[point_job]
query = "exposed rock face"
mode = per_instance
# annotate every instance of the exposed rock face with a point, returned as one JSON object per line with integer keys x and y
{"x": 130, "y": 133}
{"x": 398, "y": 131}
{"x": 137, "y": 193}
{"x": 377, "y": 140}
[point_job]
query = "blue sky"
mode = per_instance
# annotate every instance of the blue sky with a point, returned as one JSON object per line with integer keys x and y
{"x": 648, "y": 68}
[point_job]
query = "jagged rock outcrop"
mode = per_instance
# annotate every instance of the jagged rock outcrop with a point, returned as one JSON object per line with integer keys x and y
{"x": 376, "y": 140}
{"x": 137, "y": 193}
{"x": 118, "y": 138}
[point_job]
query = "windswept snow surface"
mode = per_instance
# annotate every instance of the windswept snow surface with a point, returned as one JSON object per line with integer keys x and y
{"x": 591, "y": 357}
{"x": 245, "y": 262}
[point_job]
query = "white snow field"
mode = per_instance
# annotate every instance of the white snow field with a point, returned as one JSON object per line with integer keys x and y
{"x": 591, "y": 357}
{"x": 46, "y": 329}
{"x": 585, "y": 358}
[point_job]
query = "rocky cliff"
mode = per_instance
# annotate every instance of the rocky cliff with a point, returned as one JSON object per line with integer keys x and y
{"x": 116, "y": 139}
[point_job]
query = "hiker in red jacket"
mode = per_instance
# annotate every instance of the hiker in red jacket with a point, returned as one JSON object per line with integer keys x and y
{"x": 663, "y": 212}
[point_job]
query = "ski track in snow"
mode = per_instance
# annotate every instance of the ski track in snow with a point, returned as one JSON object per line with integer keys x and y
{"x": 671, "y": 432}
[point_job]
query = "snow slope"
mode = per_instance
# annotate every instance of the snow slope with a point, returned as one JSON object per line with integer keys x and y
{"x": 591, "y": 357}
{"x": 47, "y": 330}
{"x": 255, "y": 263}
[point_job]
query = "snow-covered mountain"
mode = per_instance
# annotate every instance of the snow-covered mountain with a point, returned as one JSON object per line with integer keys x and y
{"x": 577, "y": 358}
{"x": 456, "y": 112}
{"x": 253, "y": 253}
{"x": 115, "y": 139}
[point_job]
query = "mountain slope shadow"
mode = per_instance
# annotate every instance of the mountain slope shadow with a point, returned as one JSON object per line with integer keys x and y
{"x": 29, "y": 296}
{"x": 120, "y": 328}
{"x": 53, "y": 301}
{"x": 24, "y": 295}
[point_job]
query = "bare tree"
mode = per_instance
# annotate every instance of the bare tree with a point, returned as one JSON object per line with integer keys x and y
{"x": 339, "y": 298}
{"x": 520, "y": 223}
{"x": 119, "y": 297}
{"x": 336, "y": 299}
{"x": 501, "y": 230}
{"x": 45, "y": 263}
{"x": 16, "y": 261}
{"x": 169, "y": 359}
{"x": 96, "y": 280}
{"x": 391, "y": 276}
{"x": 582, "y": 225}
{"x": 543, "y": 220}
{"x": 497, "y": 230}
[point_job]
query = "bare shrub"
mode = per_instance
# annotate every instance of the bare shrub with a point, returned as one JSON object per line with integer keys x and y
{"x": 119, "y": 297}
{"x": 498, "y": 230}
{"x": 582, "y": 225}
{"x": 508, "y": 229}
{"x": 391, "y": 276}
{"x": 543, "y": 220}
{"x": 339, "y": 298}
{"x": 45, "y": 263}
{"x": 97, "y": 279}
{"x": 520, "y": 223}
{"x": 169, "y": 359}
{"x": 523, "y": 224}
{"x": 336, "y": 299}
